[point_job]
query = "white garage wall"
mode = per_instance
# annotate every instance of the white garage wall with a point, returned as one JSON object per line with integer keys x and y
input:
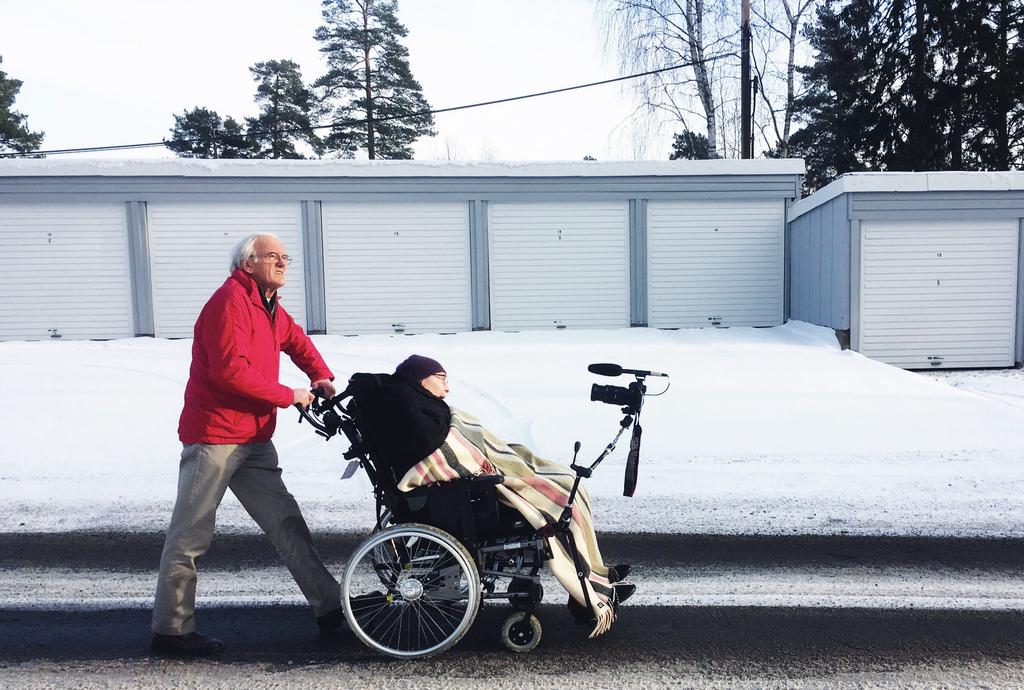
{"x": 397, "y": 267}
{"x": 939, "y": 293}
{"x": 715, "y": 263}
{"x": 66, "y": 272}
{"x": 190, "y": 245}
{"x": 559, "y": 265}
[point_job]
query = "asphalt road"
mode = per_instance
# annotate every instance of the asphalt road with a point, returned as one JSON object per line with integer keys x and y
{"x": 650, "y": 646}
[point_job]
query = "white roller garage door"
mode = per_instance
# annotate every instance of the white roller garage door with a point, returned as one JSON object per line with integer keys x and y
{"x": 397, "y": 267}
{"x": 939, "y": 294}
{"x": 715, "y": 263}
{"x": 190, "y": 245}
{"x": 66, "y": 272}
{"x": 559, "y": 265}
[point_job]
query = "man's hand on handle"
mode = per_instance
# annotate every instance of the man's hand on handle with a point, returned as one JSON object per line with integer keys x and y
{"x": 305, "y": 398}
{"x": 302, "y": 397}
{"x": 326, "y": 386}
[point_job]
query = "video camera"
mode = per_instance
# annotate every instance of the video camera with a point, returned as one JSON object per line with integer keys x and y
{"x": 631, "y": 399}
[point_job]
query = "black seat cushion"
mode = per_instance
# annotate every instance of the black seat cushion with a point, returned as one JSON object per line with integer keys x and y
{"x": 465, "y": 508}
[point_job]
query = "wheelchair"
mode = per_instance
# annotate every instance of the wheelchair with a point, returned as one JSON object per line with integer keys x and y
{"x": 414, "y": 587}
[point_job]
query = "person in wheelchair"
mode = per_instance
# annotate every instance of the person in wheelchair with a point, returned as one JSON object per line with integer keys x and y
{"x": 424, "y": 441}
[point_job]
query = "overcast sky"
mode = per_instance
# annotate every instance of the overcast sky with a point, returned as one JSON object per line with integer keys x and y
{"x": 103, "y": 72}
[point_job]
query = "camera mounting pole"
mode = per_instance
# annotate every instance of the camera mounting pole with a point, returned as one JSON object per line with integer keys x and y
{"x": 565, "y": 519}
{"x": 584, "y": 472}
{"x": 634, "y": 397}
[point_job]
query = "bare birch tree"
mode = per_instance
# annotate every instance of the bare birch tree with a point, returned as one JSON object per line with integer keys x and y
{"x": 648, "y": 35}
{"x": 777, "y": 26}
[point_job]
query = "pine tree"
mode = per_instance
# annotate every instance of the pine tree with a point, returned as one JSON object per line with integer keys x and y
{"x": 14, "y": 132}
{"x": 1014, "y": 84}
{"x": 998, "y": 137}
{"x": 914, "y": 85}
{"x": 236, "y": 142}
{"x": 918, "y": 101}
{"x": 369, "y": 84}
{"x": 846, "y": 93}
{"x": 287, "y": 109}
{"x": 690, "y": 145}
{"x": 201, "y": 133}
{"x": 959, "y": 24}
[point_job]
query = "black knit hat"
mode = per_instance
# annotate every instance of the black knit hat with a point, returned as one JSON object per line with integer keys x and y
{"x": 416, "y": 368}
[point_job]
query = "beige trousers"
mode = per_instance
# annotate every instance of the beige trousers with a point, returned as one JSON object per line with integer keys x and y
{"x": 252, "y": 473}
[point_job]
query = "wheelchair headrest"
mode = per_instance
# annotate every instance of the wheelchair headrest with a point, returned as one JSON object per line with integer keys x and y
{"x": 362, "y": 385}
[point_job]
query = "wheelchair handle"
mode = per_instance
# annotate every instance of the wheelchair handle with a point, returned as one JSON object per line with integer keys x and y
{"x": 321, "y": 406}
{"x": 313, "y": 421}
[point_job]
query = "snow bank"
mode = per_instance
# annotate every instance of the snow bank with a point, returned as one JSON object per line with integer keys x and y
{"x": 762, "y": 431}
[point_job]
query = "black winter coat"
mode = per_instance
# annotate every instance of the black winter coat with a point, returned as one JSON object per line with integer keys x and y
{"x": 404, "y": 423}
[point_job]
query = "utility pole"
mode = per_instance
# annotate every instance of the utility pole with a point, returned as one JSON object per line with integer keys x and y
{"x": 746, "y": 127}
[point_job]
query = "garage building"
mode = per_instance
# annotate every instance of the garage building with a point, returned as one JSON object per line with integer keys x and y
{"x": 107, "y": 249}
{"x": 922, "y": 270}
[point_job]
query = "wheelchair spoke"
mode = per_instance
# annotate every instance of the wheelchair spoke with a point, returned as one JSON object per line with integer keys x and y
{"x": 445, "y": 622}
{"x": 388, "y": 612}
{"x": 451, "y": 618}
{"x": 416, "y": 625}
{"x": 421, "y": 627}
{"x": 368, "y": 617}
{"x": 395, "y": 638}
{"x": 384, "y": 622}
{"x": 385, "y": 628}
{"x": 426, "y": 557}
{"x": 443, "y": 605}
{"x": 437, "y": 561}
{"x": 388, "y": 560}
{"x": 366, "y": 602}
{"x": 403, "y": 613}
{"x": 431, "y": 626}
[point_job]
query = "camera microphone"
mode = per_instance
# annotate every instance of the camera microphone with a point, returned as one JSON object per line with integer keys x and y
{"x": 616, "y": 370}
{"x": 605, "y": 369}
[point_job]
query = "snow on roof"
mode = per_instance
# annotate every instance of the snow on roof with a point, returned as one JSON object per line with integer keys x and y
{"x": 908, "y": 182}
{"x": 350, "y": 168}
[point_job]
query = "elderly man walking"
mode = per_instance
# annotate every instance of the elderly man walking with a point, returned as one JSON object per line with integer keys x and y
{"x": 226, "y": 426}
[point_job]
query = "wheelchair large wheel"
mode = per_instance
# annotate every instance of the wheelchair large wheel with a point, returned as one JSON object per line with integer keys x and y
{"x": 410, "y": 591}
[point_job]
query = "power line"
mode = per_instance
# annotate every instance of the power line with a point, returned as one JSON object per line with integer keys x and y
{"x": 406, "y": 116}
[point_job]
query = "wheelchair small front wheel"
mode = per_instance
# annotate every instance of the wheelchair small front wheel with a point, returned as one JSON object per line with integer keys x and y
{"x": 410, "y": 591}
{"x": 521, "y": 632}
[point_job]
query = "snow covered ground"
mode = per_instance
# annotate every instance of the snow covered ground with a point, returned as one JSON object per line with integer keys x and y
{"x": 762, "y": 431}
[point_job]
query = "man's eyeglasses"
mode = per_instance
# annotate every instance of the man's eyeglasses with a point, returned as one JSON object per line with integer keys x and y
{"x": 275, "y": 257}
{"x": 441, "y": 375}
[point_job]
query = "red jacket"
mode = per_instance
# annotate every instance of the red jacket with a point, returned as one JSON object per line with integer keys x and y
{"x": 233, "y": 391}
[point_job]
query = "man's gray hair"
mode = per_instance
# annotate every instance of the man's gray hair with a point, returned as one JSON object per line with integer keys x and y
{"x": 246, "y": 249}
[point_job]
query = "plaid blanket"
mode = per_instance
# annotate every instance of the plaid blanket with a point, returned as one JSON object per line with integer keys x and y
{"x": 538, "y": 488}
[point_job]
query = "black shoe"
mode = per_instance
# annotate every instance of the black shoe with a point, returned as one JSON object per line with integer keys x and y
{"x": 192, "y": 644}
{"x": 623, "y": 591}
{"x": 580, "y": 613}
{"x": 618, "y": 573}
{"x": 331, "y": 621}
